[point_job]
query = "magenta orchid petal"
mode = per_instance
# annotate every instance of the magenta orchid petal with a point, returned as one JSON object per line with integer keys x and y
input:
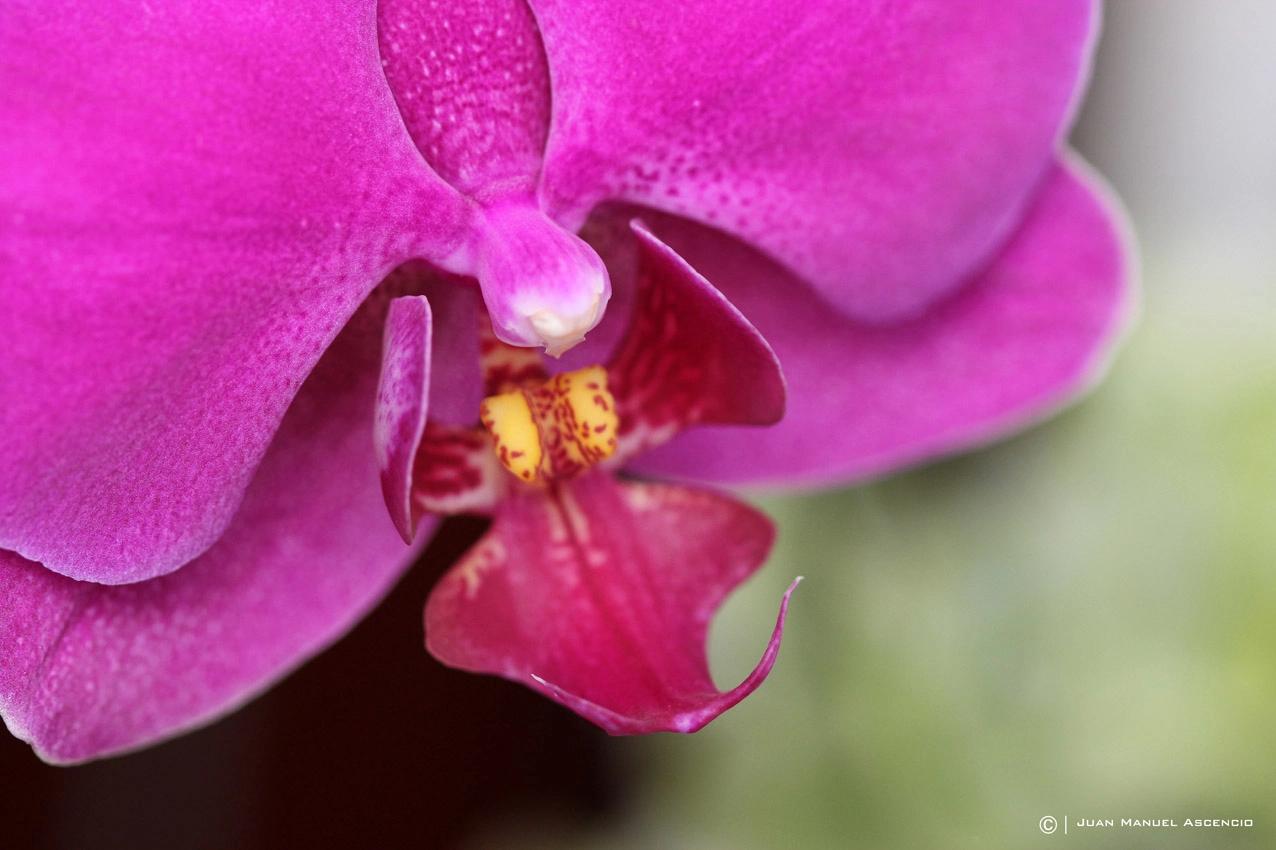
{"x": 881, "y": 149}
{"x": 600, "y": 594}
{"x": 184, "y": 234}
{"x": 89, "y": 670}
{"x": 402, "y": 399}
{"x": 1026, "y": 335}
{"x": 471, "y": 82}
{"x": 688, "y": 358}
{"x": 455, "y": 382}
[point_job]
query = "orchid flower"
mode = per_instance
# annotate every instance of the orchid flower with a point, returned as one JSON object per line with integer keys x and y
{"x": 596, "y": 592}
{"x": 211, "y": 218}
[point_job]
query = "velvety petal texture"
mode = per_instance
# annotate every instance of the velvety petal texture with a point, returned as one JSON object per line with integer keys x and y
{"x": 88, "y": 670}
{"x": 1026, "y": 335}
{"x": 599, "y": 595}
{"x": 471, "y": 81}
{"x": 880, "y": 149}
{"x": 193, "y": 200}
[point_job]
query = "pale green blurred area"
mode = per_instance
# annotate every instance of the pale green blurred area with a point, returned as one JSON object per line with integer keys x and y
{"x": 1080, "y": 621}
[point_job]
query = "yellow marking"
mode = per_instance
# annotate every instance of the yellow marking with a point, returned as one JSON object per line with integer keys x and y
{"x": 487, "y": 553}
{"x": 555, "y": 430}
{"x": 515, "y": 438}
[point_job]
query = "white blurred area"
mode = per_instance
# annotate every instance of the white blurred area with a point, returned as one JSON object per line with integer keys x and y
{"x": 1080, "y": 621}
{"x": 1181, "y": 117}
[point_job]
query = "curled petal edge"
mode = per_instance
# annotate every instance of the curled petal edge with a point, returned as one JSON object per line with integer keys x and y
{"x": 684, "y": 722}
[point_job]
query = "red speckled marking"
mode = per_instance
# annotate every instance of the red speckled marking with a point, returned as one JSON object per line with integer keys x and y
{"x": 659, "y": 381}
{"x": 688, "y": 357}
{"x": 569, "y": 438}
{"x": 570, "y": 426}
{"x": 455, "y": 471}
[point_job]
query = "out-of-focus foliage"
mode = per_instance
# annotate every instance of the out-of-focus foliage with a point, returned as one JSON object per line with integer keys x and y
{"x": 1079, "y": 622}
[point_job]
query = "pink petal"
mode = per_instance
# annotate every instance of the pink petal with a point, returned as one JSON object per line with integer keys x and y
{"x": 443, "y": 465}
{"x": 881, "y": 149}
{"x": 89, "y": 670}
{"x": 471, "y": 82}
{"x": 688, "y": 357}
{"x": 193, "y": 204}
{"x": 402, "y": 397}
{"x": 456, "y": 384}
{"x": 1028, "y": 334}
{"x": 599, "y": 595}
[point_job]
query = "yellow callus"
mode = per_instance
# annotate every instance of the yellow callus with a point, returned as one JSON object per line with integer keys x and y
{"x": 555, "y": 430}
{"x": 515, "y": 437}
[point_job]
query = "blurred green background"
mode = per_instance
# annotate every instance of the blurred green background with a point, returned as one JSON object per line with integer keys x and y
{"x": 1080, "y": 621}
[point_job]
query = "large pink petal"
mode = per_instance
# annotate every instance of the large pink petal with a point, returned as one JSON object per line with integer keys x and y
{"x": 600, "y": 594}
{"x": 1025, "y": 336}
{"x": 88, "y": 670}
{"x": 193, "y": 200}
{"x": 879, "y": 148}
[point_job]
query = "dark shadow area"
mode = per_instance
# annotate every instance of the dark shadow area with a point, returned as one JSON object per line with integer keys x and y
{"x": 371, "y": 744}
